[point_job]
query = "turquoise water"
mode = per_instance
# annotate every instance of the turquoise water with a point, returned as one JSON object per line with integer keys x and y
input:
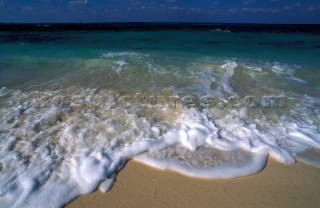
{"x": 75, "y": 105}
{"x": 42, "y": 56}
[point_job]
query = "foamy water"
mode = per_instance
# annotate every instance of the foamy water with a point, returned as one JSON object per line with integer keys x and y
{"x": 202, "y": 116}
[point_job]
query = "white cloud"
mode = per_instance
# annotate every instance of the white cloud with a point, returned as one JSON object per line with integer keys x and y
{"x": 311, "y": 8}
{"x": 253, "y": 10}
{"x": 292, "y": 6}
{"x": 3, "y": 2}
{"x": 288, "y": 7}
{"x": 27, "y": 8}
{"x": 232, "y": 10}
{"x": 195, "y": 10}
{"x": 249, "y": 2}
{"x": 78, "y": 2}
{"x": 174, "y": 8}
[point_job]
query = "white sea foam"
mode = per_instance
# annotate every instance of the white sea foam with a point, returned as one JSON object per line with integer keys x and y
{"x": 68, "y": 142}
{"x": 229, "y": 67}
{"x": 204, "y": 80}
{"x": 3, "y": 91}
{"x": 211, "y": 82}
{"x": 120, "y": 64}
{"x": 123, "y": 54}
{"x": 220, "y": 30}
{"x": 285, "y": 70}
{"x": 253, "y": 71}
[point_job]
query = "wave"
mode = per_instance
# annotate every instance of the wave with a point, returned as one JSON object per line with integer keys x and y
{"x": 71, "y": 141}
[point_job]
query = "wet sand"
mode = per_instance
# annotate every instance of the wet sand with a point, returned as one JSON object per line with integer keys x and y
{"x": 278, "y": 185}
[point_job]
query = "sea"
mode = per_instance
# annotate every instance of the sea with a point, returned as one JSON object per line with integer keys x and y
{"x": 214, "y": 101}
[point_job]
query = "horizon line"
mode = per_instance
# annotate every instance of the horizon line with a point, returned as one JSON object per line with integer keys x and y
{"x": 154, "y": 22}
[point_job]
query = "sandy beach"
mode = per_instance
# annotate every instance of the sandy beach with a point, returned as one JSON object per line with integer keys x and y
{"x": 278, "y": 185}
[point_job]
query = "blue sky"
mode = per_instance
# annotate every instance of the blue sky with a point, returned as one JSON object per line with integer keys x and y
{"x": 242, "y": 11}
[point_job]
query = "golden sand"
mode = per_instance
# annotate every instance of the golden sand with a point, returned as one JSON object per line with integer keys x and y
{"x": 277, "y": 185}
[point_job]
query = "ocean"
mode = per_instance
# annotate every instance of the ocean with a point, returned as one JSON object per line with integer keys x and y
{"x": 77, "y": 101}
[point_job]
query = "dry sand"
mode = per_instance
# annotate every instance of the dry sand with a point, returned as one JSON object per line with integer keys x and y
{"x": 277, "y": 185}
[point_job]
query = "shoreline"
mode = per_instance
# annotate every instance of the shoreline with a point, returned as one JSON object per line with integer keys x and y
{"x": 277, "y": 185}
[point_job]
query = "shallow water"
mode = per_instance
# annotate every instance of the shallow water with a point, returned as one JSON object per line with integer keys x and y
{"x": 76, "y": 105}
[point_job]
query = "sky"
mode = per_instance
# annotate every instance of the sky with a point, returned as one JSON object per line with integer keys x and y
{"x": 221, "y": 11}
